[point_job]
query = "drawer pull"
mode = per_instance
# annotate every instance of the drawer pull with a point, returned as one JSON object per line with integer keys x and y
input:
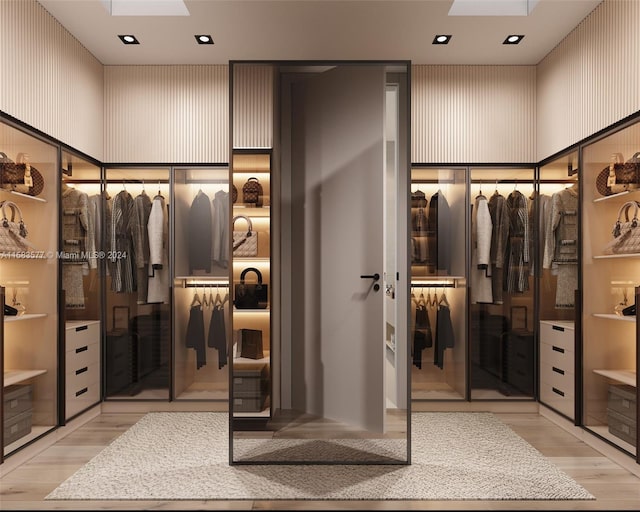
{"x": 557, "y": 370}
{"x": 82, "y": 349}
{"x": 82, "y": 370}
{"x": 82, "y": 391}
{"x": 557, "y": 328}
{"x": 557, "y": 391}
{"x": 558, "y": 349}
{"x": 82, "y": 328}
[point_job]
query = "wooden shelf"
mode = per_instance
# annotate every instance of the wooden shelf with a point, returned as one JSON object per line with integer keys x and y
{"x": 614, "y": 196}
{"x": 24, "y": 196}
{"x": 625, "y": 376}
{"x": 16, "y": 376}
{"x": 611, "y": 316}
{"x": 26, "y": 316}
{"x": 613, "y": 256}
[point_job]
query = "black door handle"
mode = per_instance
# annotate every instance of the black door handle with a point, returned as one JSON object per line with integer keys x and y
{"x": 375, "y": 277}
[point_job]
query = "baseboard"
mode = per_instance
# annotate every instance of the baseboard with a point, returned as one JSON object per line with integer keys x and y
{"x": 504, "y": 406}
{"x": 140, "y": 406}
{"x": 611, "y": 452}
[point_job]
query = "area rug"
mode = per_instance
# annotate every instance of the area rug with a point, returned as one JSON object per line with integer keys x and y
{"x": 184, "y": 456}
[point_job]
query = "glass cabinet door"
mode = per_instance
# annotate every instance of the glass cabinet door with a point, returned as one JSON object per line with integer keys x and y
{"x": 610, "y": 275}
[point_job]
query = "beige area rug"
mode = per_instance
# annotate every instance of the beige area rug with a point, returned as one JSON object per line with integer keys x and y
{"x": 184, "y": 456}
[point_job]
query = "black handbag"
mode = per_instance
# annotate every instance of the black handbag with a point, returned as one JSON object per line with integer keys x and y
{"x": 251, "y": 295}
{"x": 251, "y": 344}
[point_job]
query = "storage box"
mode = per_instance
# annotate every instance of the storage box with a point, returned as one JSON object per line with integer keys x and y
{"x": 623, "y": 399}
{"x": 249, "y": 402}
{"x": 250, "y": 378}
{"x": 17, "y": 399}
{"x": 17, "y": 426}
{"x": 622, "y": 427}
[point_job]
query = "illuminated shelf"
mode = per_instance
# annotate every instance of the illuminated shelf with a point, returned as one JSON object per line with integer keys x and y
{"x": 613, "y": 256}
{"x": 16, "y": 376}
{"x": 611, "y": 316}
{"x": 625, "y": 376}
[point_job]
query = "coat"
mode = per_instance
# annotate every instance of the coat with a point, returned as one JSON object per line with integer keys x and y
{"x": 199, "y": 233}
{"x": 516, "y": 276}
{"x": 158, "y": 266}
{"x": 482, "y": 228}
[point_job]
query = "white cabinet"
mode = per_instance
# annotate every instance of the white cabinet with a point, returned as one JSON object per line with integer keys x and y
{"x": 82, "y": 360}
{"x": 557, "y": 366}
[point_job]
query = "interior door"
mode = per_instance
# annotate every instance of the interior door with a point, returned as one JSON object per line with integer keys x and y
{"x": 338, "y": 134}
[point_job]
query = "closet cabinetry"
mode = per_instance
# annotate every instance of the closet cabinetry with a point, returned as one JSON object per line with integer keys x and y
{"x": 250, "y": 278}
{"x": 29, "y": 284}
{"x": 610, "y": 279}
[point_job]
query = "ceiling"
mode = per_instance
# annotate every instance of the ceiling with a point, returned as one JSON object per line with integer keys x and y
{"x": 319, "y": 30}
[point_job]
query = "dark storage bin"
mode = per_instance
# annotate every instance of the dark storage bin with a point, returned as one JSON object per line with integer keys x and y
{"x": 622, "y": 399}
{"x": 250, "y": 379}
{"x": 17, "y": 426}
{"x": 17, "y": 399}
{"x": 249, "y": 402}
{"x": 621, "y": 426}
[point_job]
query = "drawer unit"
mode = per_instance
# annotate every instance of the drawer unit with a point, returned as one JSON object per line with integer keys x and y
{"x": 17, "y": 399}
{"x": 82, "y": 371}
{"x": 557, "y": 399}
{"x": 558, "y": 333}
{"x": 520, "y": 360}
{"x": 557, "y": 366}
{"x": 557, "y": 356}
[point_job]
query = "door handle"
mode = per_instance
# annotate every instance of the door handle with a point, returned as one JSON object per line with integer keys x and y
{"x": 375, "y": 277}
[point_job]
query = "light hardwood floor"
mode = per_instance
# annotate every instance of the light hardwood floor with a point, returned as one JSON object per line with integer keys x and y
{"x": 614, "y": 487}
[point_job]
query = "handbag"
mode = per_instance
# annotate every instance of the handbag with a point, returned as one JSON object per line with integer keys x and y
{"x": 245, "y": 243}
{"x": 21, "y": 176}
{"x": 13, "y": 232}
{"x": 250, "y": 343}
{"x": 251, "y": 295}
{"x": 626, "y": 233}
{"x": 252, "y": 192}
{"x": 619, "y": 176}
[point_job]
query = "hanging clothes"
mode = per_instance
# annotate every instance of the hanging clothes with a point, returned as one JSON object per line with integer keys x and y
{"x": 158, "y": 267}
{"x": 217, "y": 337}
{"x": 199, "y": 233}
{"x": 445, "y": 337}
{"x": 94, "y": 209}
{"x": 438, "y": 227}
{"x": 481, "y": 270}
{"x": 419, "y": 228}
{"x": 75, "y": 233}
{"x": 141, "y": 211}
{"x": 561, "y": 245}
{"x": 195, "y": 334}
{"x": 120, "y": 252}
{"x": 499, "y": 235}
{"x": 220, "y": 234}
{"x": 422, "y": 337}
{"x": 516, "y": 277}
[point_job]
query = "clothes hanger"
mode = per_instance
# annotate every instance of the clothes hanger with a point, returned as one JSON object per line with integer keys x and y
{"x": 205, "y": 303}
{"x": 218, "y": 301}
{"x": 226, "y": 298}
{"x": 422, "y": 302}
{"x": 196, "y": 299}
{"x": 443, "y": 299}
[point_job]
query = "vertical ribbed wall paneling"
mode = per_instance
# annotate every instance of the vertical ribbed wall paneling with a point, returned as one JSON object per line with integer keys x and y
{"x": 591, "y": 79}
{"x": 167, "y": 113}
{"x": 48, "y": 79}
{"x": 253, "y": 106}
{"x": 473, "y": 113}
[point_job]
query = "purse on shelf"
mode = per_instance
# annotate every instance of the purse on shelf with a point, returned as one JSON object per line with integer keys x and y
{"x": 251, "y": 295}
{"x": 626, "y": 232}
{"x": 250, "y": 343}
{"x": 20, "y": 176}
{"x": 252, "y": 192}
{"x": 13, "y": 232}
{"x": 245, "y": 243}
{"x": 619, "y": 176}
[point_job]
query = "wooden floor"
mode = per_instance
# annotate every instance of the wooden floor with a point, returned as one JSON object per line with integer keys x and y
{"x": 614, "y": 487}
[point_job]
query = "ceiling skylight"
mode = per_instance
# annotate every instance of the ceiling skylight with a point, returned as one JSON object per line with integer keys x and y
{"x": 492, "y": 7}
{"x": 145, "y": 7}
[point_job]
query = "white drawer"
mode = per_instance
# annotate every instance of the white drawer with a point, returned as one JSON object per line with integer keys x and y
{"x": 88, "y": 395}
{"x": 554, "y": 355}
{"x": 563, "y": 382}
{"x": 79, "y": 334}
{"x": 84, "y": 355}
{"x": 77, "y": 380}
{"x": 560, "y": 334}
{"x": 552, "y": 397}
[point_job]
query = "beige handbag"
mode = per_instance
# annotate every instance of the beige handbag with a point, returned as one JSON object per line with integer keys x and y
{"x": 626, "y": 232}
{"x": 13, "y": 232}
{"x": 245, "y": 243}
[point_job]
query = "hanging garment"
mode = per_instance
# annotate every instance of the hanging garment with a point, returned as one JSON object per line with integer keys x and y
{"x": 561, "y": 245}
{"x": 220, "y": 234}
{"x": 199, "y": 233}
{"x": 499, "y": 234}
{"x": 444, "y": 335}
{"x": 158, "y": 267}
{"x": 419, "y": 229}
{"x": 120, "y": 252}
{"x": 422, "y": 337}
{"x": 481, "y": 231}
{"x": 539, "y": 205}
{"x": 516, "y": 277}
{"x": 75, "y": 233}
{"x": 217, "y": 337}
{"x": 141, "y": 211}
{"x": 95, "y": 226}
{"x": 439, "y": 229}
{"x": 195, "y": 335}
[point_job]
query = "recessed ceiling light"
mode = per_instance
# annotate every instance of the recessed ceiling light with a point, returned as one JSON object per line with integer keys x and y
{"x": 129, "y": 39}
{"x": 442, "y": 39}
{"x": 513, "y": 39}
{"x": 204, "y": 39}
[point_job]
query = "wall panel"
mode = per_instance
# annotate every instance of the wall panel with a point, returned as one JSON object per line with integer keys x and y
{"x": 591, "y": 79}
{"x": 473, "y": 114}
{"x": 167, "y": 114}
{"x": 48, "y": 79}
{"x": 253, "y": 106}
